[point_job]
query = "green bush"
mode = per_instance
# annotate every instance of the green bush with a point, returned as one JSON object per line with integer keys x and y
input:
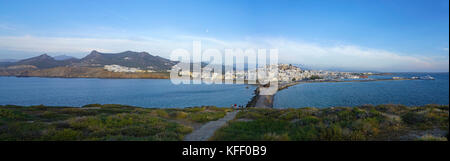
{"x": 308, "y": 120}
{"x": 206, "y": 116}
{"x": 251, "y": 130}
{"x": 179, "y": 115}
{"x": 77, "y": 111}
{"x": 194, "y": 109}
{"x": 431, "y": 138}
{"x": 304, "y": 133}
{"x": 64, "y": 135}
{"x": 276, "y": 137}
{"x": 11, "y": 115}
{"x": 332, "y": 133}
{"x": 22, "y": 131}
{"x": 162, "y": 113}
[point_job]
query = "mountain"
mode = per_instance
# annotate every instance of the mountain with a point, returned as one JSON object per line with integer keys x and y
{"x": 8, "y": 60}
{"x": 63, "y": 57}
{"x": 44, "y": 61}
{"x": 142, "y": 60}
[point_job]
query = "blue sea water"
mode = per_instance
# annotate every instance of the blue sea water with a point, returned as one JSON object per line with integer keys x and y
{"x": 407, "y": 92}
{"x": 162, "y": 93}
{"x": 136, "y": 92}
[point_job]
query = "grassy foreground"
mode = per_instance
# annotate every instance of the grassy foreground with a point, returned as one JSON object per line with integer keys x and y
{"x": 102, "y": 122}
{"x": 382, "y": 122}
{"x": 119, "y": 122}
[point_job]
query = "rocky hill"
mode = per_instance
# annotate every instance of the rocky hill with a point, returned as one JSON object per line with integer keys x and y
{"x": 43, "y": 62}
{"x": 142, "y": 60}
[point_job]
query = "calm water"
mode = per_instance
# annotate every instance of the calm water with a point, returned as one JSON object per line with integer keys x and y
{"x": 162, "y": 93}
{"x": 407, "y": 92}
{"x": 137, "y": 92}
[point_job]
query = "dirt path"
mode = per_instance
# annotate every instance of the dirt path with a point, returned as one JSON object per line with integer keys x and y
{"x": 207, "y": 130}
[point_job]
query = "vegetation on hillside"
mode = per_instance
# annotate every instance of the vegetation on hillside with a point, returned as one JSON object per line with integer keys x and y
{"x": 101, "y": 122}
{"x": 314, "y": 77}
{"x": 382, "y": 122}
{"x": 120, "y": 122}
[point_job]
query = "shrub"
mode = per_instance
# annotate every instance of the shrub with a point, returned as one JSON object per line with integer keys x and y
{"x": 64, "y": 135}
{"x": 184, "y": 129}
{"x": 77, "y": 111}
{"x": 252, "y": 114}
{"x": 91, "y": 123}
{"x": 276, "y": 137}
{"x": 251, "y": 130}
{"x": 214, "y": 108}
{"x": 332, "y": 133}
{"x": 304, "y": 133}
{"x": 194, "y": 109}
{"x": 11, "y": 115}
{"x": 179, "y": 115}
{"x": 289, "y": 115}
{"x": 431, "y": 138}
{"x": 206, "y": 116}
{"x": 413, "y": 118}
{"x": 356, "y": 135}
{"x": 22, "y": 131}
{"x": 310, "y": 120}
{"x": 162, "y": 113}
{"x": 49, "y": 115}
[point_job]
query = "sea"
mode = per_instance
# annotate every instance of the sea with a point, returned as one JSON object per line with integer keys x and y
{"x": 350, "y": 94}
{"x": 162, "y": 93}
{"x": 152, "y": 93}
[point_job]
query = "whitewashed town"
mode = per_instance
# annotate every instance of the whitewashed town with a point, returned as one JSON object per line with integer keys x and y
{"x": 286, "y": 73}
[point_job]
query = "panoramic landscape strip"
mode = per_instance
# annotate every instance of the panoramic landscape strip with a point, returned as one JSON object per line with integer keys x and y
{"x": 210, "y": 78}
{"x": 224, "y": 79}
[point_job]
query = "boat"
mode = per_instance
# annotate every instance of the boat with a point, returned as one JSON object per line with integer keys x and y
{"x": 428, "y": 77}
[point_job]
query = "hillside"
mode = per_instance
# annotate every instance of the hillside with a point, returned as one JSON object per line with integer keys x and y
{"x": 142, "y": 60}
{"x": 44, "y": 61}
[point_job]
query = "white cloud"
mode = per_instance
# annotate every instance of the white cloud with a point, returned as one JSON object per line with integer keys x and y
{"x": 315, "y": 55}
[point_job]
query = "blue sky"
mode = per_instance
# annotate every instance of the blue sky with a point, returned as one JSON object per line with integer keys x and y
{"x": 388, "y": 35}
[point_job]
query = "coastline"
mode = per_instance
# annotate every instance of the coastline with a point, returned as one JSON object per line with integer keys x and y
{"x": 82, "y": 72}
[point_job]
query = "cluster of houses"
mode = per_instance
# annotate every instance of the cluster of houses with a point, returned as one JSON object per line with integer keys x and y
{"x": 289, "y": 73}
{"x": 285, "y": 73}
{"x": 118, "y": 68}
